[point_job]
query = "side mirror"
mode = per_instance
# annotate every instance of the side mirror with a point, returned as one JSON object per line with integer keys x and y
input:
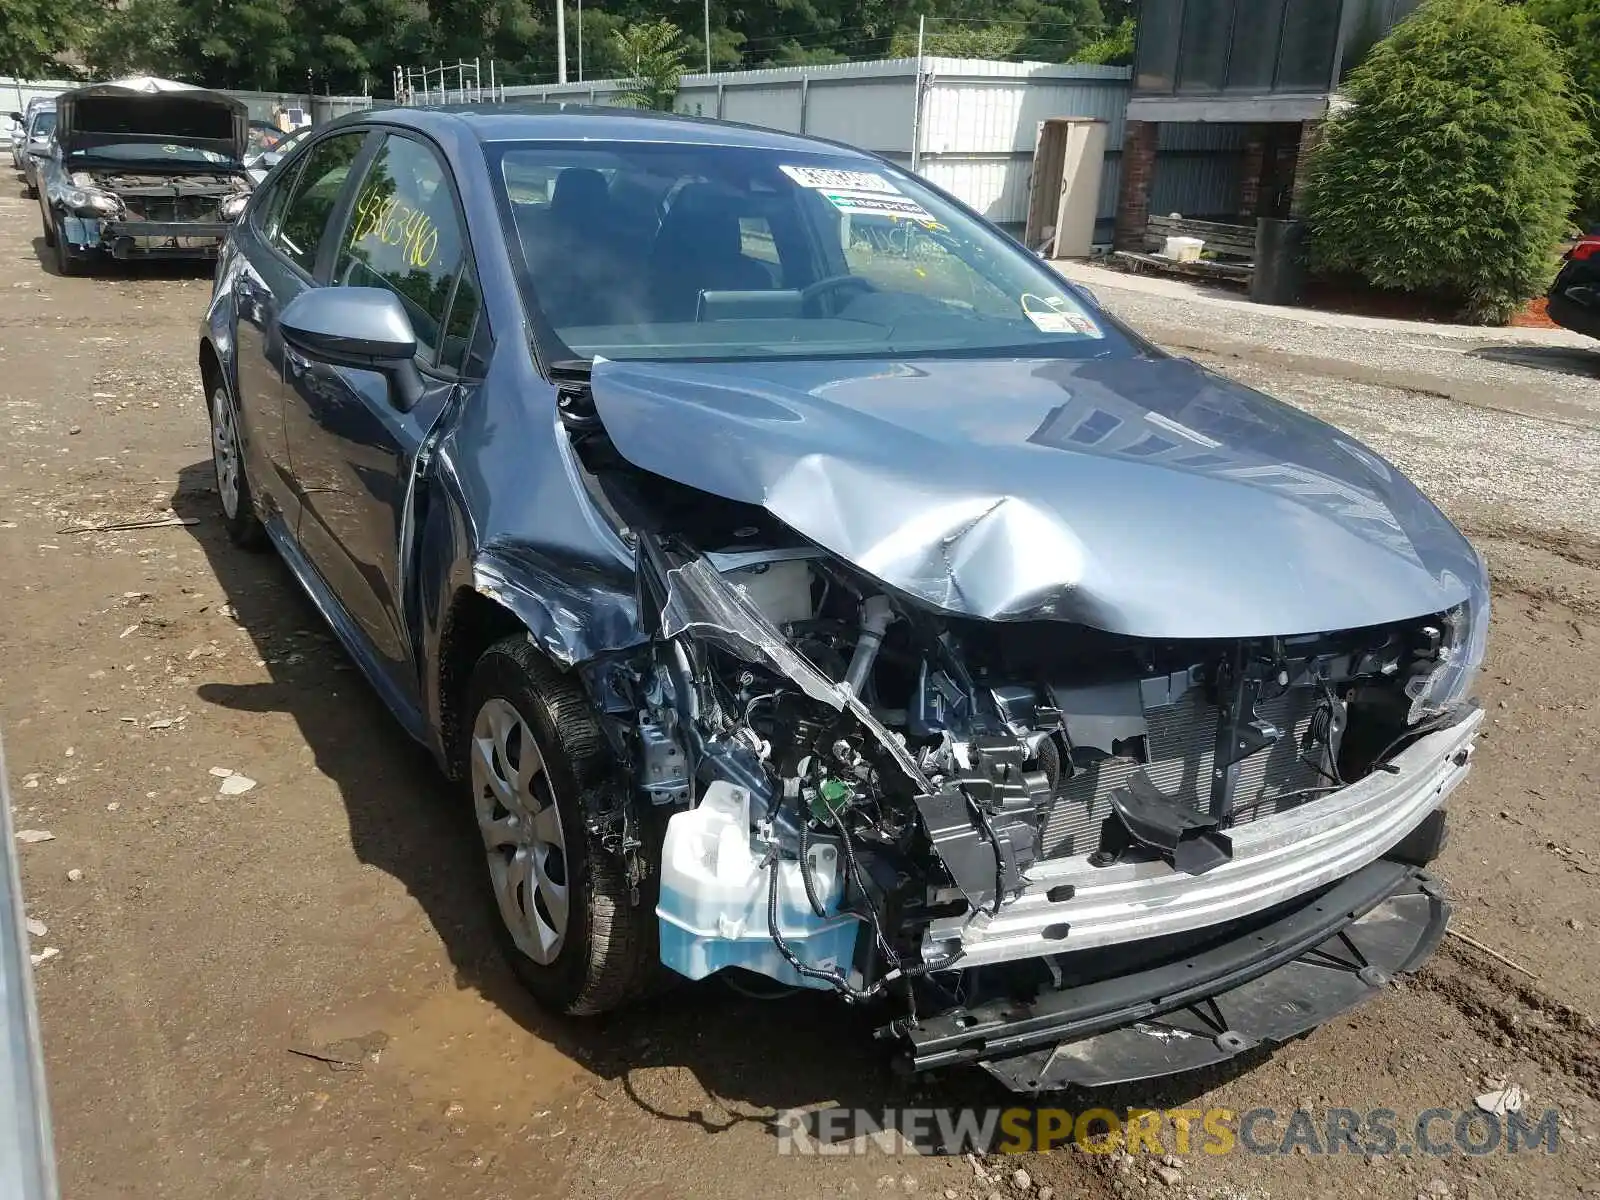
{"x": 39, "y": 151}
{"x": 15, "y": 116}
{"x": 366, "y": 328}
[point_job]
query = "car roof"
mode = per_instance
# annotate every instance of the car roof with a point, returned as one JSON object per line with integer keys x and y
{"x": 584, "y": 122}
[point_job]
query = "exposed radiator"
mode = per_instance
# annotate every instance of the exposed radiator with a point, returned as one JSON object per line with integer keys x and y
{"x": 172, "y": 208}
{"x": 1181, "y": 743}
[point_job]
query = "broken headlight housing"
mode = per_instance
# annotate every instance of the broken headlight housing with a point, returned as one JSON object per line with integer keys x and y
{"x": 81, "y": 196}
{"x": 232, "y": 206}
{"x": 1442, "y": 678}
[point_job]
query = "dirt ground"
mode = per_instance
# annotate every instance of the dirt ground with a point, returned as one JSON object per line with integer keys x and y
{"x": 204, "y": 937}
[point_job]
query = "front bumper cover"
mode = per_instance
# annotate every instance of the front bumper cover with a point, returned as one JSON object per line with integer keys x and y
{"x": 1267, "y": 982}
{"x": 145, "y": 239}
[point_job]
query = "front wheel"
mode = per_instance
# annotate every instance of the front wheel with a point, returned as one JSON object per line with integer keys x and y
{"x": 67, "y": 261}
{"x": 571, "y": 926}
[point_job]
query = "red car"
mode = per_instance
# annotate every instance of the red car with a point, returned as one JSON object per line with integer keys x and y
{"x": 1575, "y": 295}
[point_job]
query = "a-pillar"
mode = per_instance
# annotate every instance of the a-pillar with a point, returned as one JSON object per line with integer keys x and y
{"x": 1138, "y": 169}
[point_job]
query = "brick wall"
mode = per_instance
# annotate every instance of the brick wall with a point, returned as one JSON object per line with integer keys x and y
{"x": 1138, "y": 170}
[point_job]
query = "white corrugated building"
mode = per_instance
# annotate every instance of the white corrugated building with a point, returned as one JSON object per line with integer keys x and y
{"x": 972, "y": 134}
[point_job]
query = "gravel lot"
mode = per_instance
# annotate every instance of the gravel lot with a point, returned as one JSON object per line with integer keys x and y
{"x": 204, "y": 937}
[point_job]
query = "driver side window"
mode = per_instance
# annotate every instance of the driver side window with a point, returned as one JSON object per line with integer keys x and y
{"x": 404, "y": 235}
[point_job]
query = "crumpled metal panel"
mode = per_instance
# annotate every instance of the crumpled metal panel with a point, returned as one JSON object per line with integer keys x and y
{"x": 701, "y": 603}
{"x": 572, "y": 616}
{"x": 1138, "y": 495}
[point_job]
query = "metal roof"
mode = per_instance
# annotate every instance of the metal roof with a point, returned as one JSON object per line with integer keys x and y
{"x": 584, "y": 122}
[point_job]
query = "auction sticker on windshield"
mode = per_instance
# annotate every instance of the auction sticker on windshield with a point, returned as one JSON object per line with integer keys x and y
{"x": 1053, "y": 314}
{"x": 876, "y": 204}
{"x": 833, "y": 179}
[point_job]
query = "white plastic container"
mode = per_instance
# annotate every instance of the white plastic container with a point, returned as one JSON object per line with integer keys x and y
{"x": 1183, "y": 249}
{"x": 713, "y": 905}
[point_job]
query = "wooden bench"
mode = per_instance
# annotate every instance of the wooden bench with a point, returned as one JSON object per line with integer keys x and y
{"x": 1233, "y": 245}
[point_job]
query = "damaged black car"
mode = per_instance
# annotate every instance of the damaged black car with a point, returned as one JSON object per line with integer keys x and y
{"x": 803, "y": 582}
{"x": 143, "y": 168}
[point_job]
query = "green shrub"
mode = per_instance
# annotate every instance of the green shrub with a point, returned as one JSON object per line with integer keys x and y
{"x": 1453, "y": 172}
{"x": 1575, "y": 25}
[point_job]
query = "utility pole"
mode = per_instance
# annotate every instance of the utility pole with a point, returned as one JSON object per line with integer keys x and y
{"x": 561, "y": 41}
{"x": 580, "y": 41}
{"x": 916, "y": 109}
{"x": 708, "y": 37}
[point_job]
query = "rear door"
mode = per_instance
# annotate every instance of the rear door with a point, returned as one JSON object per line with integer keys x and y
{"x": 287, "y": 227}
{"x": 353, "y": 450}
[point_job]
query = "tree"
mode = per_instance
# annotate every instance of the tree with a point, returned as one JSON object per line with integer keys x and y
{"x": 242, "y": 43}
{"x": 961, "y": 41}
{"x": 1453, "y": 171}
{"x": 139, "y": 37}
{"x": 1575, "y": 24}
{"x": 33, "y": 33}
{"x": 1114, "y": 49}
{"x": 655, "y": 53}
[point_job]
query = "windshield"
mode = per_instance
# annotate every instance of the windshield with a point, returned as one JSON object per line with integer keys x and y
{"x": 656, "y": 251}
{"x": 44, "y": 124}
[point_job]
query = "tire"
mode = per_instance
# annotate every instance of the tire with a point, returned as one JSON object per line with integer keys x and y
{"x": 68, "y": 263}
{"x": 233, "y": 482}
{"x": 603, "y": 953}
{"x": 49, "y": 230}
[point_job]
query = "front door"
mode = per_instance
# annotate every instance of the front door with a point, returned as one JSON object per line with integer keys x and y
{"x": 287, "y": 228}
{"x": 354, "y": 451}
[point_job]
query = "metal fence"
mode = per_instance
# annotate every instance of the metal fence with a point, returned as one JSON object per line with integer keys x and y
{"x": 15, "y": 94}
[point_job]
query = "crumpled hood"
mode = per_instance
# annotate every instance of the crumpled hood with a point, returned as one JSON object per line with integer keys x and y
{"x": 1142, "y": 496}
{"x": 112, "y": 113}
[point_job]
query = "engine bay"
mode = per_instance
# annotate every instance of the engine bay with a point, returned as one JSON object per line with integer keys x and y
{"x": 845, "y": 775}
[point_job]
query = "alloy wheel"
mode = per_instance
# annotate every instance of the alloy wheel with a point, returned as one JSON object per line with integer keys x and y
{"x": 521, "y": 829}
{"x": 225, "y": 451}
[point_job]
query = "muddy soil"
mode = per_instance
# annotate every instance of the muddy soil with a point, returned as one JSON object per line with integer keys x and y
{"x": 335, "y": 906}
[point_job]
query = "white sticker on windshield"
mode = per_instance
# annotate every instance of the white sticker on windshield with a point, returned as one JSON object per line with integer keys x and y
{"x": 876, "y": 204}
{"x": 829, "y": 179}
{"x": 1049, "y": 315}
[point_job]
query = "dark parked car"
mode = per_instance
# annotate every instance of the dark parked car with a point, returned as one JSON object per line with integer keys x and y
{"x": 799, "y": 578}
{"x": 1575, "y": 296}
{"x": 142, "y": 172}
{"x": 34, "y": 143}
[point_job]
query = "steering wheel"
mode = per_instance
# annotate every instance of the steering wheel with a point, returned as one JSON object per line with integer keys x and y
{"x": 811, "y": 295}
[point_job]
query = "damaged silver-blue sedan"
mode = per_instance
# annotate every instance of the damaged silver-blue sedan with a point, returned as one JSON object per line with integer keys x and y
{"x": 802, "y": 580}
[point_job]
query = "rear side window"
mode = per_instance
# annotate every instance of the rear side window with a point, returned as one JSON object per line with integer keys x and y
{"x": 405, "y": 235}
{"x": 304, "y": 219}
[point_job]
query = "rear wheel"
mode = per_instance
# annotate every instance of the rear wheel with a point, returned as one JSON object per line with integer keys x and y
{"x": 535, "y": 753}
{"x": 233, "y": 487}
